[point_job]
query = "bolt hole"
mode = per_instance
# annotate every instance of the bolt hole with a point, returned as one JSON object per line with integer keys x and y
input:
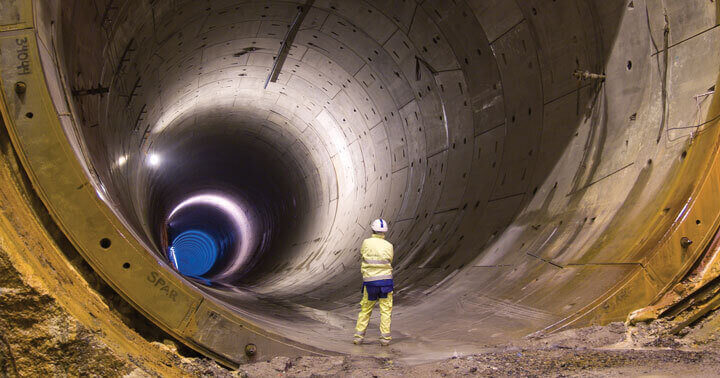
{"x": 250, "y": 350}
{"x": 126, "y": 266}
{"x": 697, "y": 221}
{"x": 105, "y": 243}
{"x": 29, "y": 115}
{"x": 629, "y": 65}
{"x": 20, "y": 87}
{"x": 685, "y": 242}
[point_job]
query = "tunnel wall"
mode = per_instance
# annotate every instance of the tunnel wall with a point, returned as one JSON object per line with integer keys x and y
{"x": 520, "y": 197}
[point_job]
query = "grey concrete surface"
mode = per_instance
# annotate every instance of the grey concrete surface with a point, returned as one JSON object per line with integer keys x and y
{"x": 504, "y": 178}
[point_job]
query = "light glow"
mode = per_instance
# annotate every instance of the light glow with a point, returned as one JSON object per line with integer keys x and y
{"x": 154, "y": 160}
{"x": 239, "y": 218}
{"x": 174, "y": 259}
{"x": 121, "y": 160}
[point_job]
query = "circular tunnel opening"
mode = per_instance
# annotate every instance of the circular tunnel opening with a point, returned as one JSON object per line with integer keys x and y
{"x": 222, "y": 199}
{"x": 507, "y": 153}
{"x": 201, "y": 237}
{"x": 194, "y": 252}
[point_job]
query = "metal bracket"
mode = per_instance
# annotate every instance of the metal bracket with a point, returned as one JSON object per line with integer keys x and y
{"x": 91, "y": 91}
{"x": 287, "y": 42}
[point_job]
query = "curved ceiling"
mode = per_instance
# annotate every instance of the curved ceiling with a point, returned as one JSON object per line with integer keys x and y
{"x": 515, "y": 190}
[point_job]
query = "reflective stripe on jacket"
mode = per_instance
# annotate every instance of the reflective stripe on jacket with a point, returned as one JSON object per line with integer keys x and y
{"x": 377, "y": 256}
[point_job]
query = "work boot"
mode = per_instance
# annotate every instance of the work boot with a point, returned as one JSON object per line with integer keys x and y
{"x": 384, "y": 341}
{"x": 357, "y": 340}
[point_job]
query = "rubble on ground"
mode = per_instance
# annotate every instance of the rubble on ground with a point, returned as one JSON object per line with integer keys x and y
{"x": 613, "y": 350}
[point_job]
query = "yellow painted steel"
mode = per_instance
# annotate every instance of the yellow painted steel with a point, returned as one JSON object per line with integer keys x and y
{"x": 15, "y": 15}
{"x": 36, "y": 255}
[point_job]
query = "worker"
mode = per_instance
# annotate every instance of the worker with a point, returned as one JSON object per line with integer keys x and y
{"x": 376, "y": 255}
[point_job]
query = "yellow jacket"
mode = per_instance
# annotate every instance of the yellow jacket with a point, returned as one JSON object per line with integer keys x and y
{"x": 377, "y": 256}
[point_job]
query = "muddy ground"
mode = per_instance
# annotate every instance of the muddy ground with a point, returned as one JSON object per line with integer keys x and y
{"x": 610, "y": 351}
{"x": 535, "y": 362}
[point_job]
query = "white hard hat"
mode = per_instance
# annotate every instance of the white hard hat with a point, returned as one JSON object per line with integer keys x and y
{"x": 379, "y": 225}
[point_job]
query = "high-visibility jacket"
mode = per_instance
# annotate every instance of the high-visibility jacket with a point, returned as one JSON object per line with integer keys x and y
{"x": 377, "y": 256}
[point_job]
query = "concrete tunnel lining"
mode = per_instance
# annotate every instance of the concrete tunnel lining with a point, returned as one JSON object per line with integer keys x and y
{"x": 506, "y": 183}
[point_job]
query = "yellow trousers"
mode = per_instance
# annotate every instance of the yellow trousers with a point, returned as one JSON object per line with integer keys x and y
{"x": 366, "y": 307}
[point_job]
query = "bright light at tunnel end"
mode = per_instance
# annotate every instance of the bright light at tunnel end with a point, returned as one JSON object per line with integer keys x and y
{"x": 239, "y": 218}
{"x": 154, "y": 160}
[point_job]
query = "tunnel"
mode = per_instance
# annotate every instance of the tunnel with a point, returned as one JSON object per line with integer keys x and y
{"x": 541, "y": 164}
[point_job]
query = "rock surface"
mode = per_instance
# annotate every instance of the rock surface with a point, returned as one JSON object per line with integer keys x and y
{"x": 38, "y": 338}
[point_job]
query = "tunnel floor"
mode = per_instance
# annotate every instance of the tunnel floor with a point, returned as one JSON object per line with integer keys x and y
{"x": 610, "y": 351}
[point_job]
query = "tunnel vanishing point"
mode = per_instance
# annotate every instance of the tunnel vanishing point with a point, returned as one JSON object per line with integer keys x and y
{"x": 542, "y": 164}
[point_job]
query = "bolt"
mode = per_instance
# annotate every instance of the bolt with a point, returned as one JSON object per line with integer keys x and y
{"x": 685, "y": 242}
{"x": 250, "y": 350}
{"x": 585, "y": 75}
{"x": 20, "y": 87}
